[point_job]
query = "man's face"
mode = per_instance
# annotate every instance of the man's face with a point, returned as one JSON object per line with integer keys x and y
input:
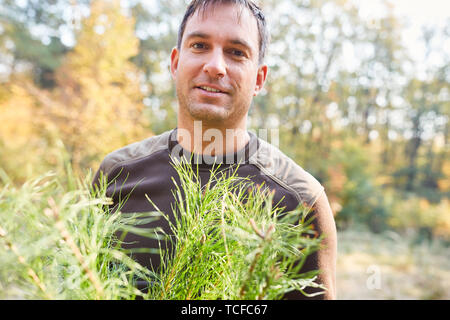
{"x": 216, "y": 69}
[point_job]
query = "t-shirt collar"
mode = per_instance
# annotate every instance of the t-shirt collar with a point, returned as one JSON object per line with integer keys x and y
{"x": 241, "y": 156}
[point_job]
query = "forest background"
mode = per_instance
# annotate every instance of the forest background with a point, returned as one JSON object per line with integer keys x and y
{"x": 79, "y": 79}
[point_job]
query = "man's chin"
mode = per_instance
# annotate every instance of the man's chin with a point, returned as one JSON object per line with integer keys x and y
{"x": 209, "y": 112}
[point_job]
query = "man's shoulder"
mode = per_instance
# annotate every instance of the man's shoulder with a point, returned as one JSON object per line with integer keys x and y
{"x": 135, "y": 151}
{"x": 286, "y": 172}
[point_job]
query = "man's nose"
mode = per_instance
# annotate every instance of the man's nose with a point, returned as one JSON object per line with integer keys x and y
{"x": 215, "y": 66}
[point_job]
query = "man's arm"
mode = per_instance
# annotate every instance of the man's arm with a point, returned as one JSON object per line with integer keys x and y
{"x": 325, "y": 258}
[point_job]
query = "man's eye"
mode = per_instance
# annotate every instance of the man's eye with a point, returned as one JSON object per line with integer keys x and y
{"x": 237, "y": 53}
{"x": 198, "y": 46}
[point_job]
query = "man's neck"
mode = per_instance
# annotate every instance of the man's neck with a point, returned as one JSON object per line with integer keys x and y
{"x": 200, "y": 138}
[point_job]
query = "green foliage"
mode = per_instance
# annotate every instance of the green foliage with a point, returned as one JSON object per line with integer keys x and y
{"x": 412, "y": 214}
{"x": 230, "y": 244}
{"x": 33, "y": 30}
{"x": 58, "y": 240}
{"x": 361, "y": 200}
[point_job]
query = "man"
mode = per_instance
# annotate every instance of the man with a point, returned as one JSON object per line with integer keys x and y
{"x": 218, "y": 67}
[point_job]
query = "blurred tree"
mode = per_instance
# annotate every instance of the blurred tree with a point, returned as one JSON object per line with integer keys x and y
{"x": 99, "y": 89}
{"x": 33, "y": 31}
{"x": 157, "y": 25}
{"x": 427, "y": 115}
{"x": 351, "y": 182}
{"x": 97, "y": 104}
{"x": 18, "y": 134}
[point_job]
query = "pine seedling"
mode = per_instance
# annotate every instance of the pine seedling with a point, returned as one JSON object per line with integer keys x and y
{"x": 229, "y": 242}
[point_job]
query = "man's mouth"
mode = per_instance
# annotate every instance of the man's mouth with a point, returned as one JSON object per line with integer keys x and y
{"x": 210, "y": 89}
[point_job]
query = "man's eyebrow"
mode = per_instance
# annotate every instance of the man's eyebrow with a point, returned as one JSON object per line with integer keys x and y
{"x": 197, "y": 34}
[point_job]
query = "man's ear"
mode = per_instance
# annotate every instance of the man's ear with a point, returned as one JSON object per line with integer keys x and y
{"x": 260, "y": 78}
{"x": 174, "y": 62}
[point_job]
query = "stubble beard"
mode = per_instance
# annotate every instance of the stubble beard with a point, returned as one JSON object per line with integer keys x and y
{"x": 209, "y": 113}
{"x": 203, "y": 111}
{"x": 214, "y": 115}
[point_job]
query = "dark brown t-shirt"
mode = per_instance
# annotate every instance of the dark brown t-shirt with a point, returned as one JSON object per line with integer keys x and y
{"x": 144, "y": 169}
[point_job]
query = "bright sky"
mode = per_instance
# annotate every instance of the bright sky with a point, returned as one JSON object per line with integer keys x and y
{"x": 423, "y": 10}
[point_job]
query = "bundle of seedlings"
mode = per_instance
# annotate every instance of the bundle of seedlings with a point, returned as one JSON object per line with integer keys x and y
{"x": 232, "y": 242}
{"x": 58, "y": 240}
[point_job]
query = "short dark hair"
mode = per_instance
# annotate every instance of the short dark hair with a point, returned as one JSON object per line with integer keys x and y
{"x": 196, "y": 5}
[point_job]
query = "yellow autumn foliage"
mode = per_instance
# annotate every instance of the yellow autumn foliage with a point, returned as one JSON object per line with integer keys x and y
{"x": 95, "y": 108}
{"x": 415, "y": 213}
{"x": 444, "y": 182}
{"x": 100, "y": 88}
{"x": 17, "y": 134}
